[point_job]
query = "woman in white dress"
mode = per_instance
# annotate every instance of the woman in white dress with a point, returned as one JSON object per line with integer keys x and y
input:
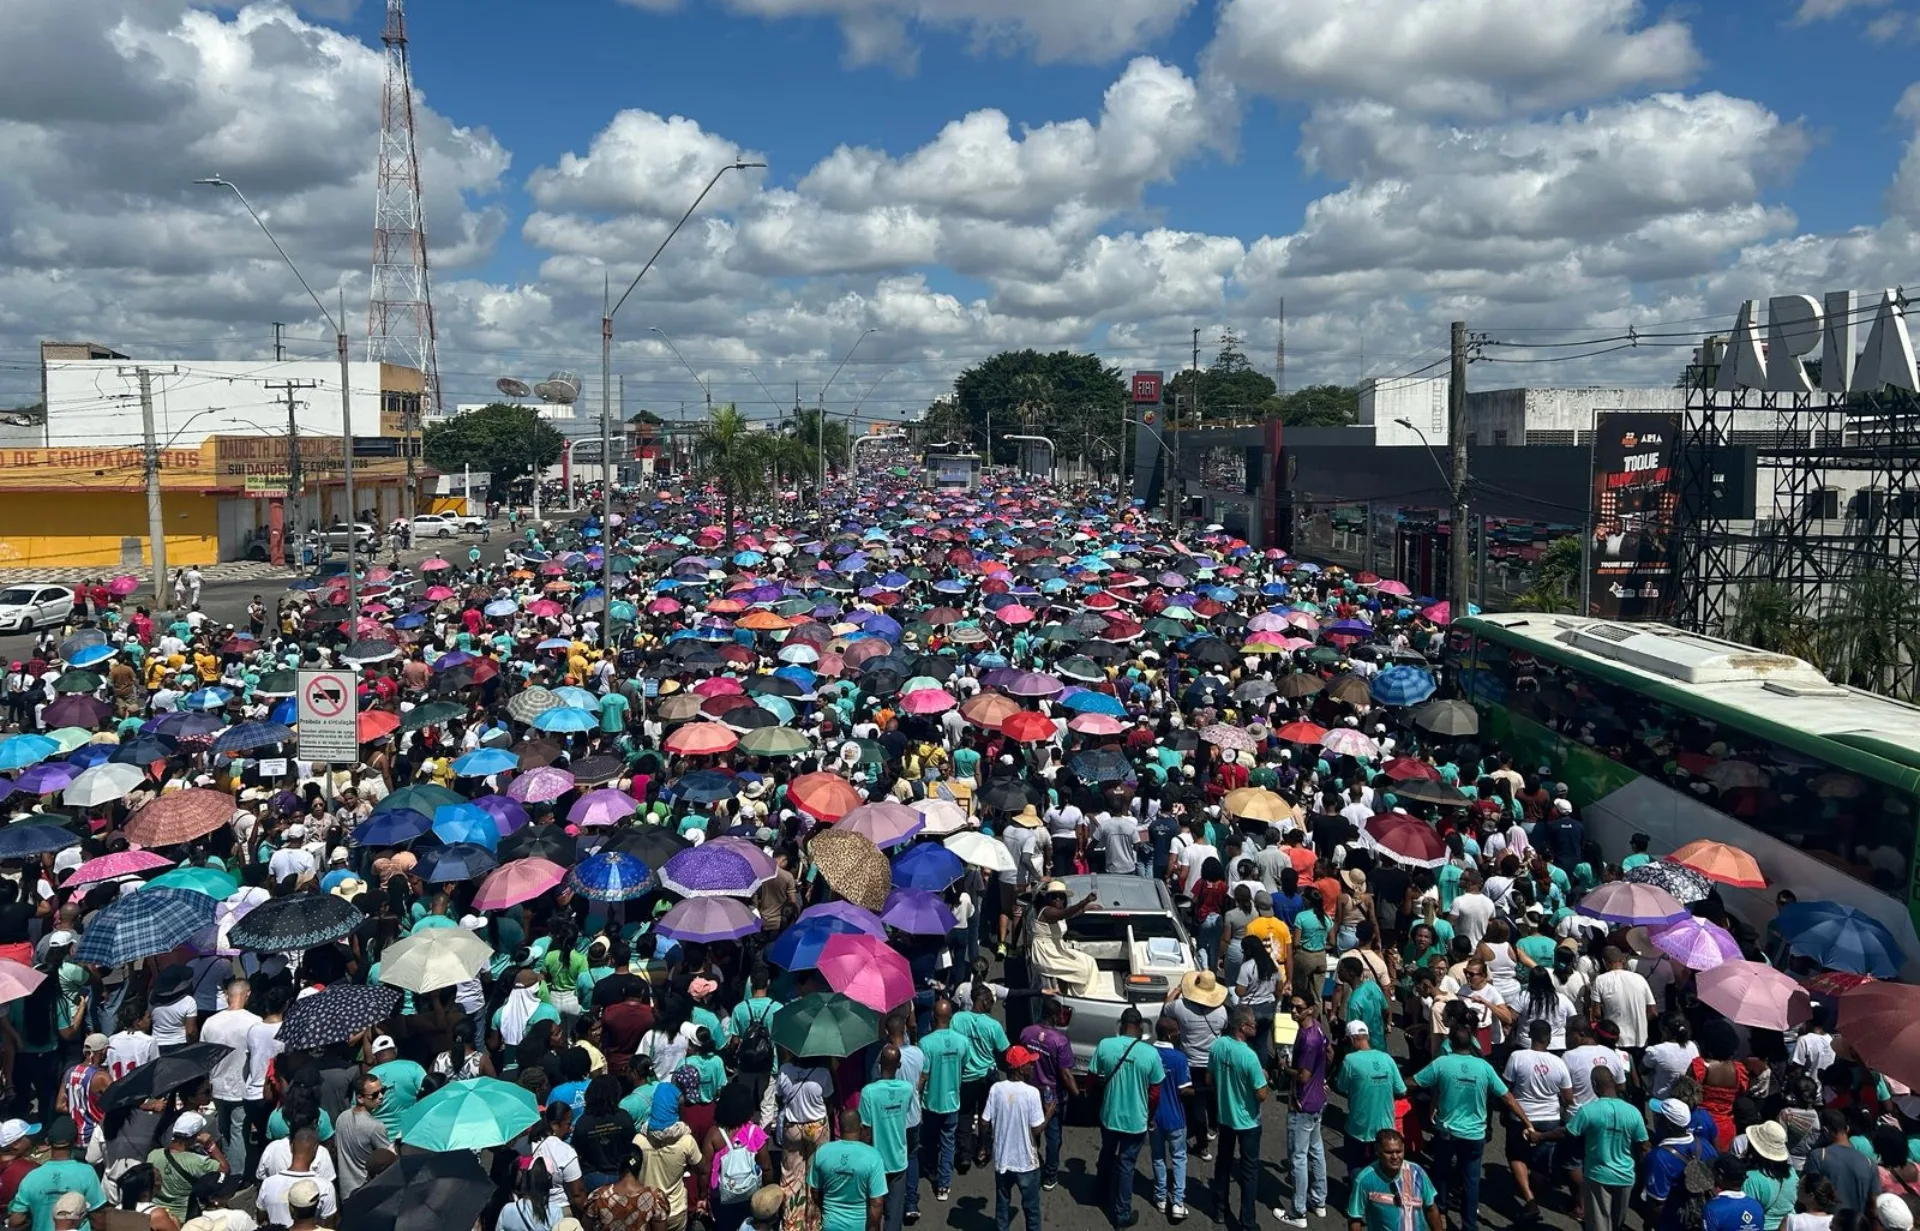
{"x": 1071, "y": 970}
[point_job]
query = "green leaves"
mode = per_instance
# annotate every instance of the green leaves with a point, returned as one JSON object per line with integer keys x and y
{"x": 1072, "y": 399}
{"x": 505, "y": 440}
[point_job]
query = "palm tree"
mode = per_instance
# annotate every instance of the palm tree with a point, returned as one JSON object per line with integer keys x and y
{"x": 732, "y": 455}
{"x": 1556, "y": 579}
{"x": 1870, "y": 637}
{"x": 1769, "y": 616}
{"x": 829, "y": 439}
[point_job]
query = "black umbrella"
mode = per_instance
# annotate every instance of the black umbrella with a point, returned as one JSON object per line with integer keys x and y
{"x": 1447, "y": 718}
{"x": 1103, "y": 651}
{"x": 592, "y": 771}
{"x": 652, "y": 845}
{"x": 174, "y": 1070}
{"x": 1428, "y": 792}
{"x": 421, "y": 1192}
{"x": 882, "y": 683}
{"x": 291, "y": 924}
{"x": 1210, "y": 650}
{"x": 545, "y": 841}
{"x": 935, "y": 666}
{"x": 773, "y": 686}
{"x": 1007, "y": 795}
{"x": 1101, "y": 765}
{"x": 335, "y": 1014}
{"x": 899, "y": 664}
{"x": 1186, "y": 739}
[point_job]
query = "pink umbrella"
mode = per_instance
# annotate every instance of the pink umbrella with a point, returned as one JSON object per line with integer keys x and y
{"x": 663, "y": 606}
{"x": 1755, "y": 994}
{"x": 1440, "y": 613}
{"x": 1096, "y": 724}
{"x": 1696, "y": 944}
{"x": 928, "y": 701}
{"x": 520, "y": 880}
{"x": 1014, "y": 613}
{"x": 718, "y": 686}
{"x": 1267, "y": 622}
{"x": 115, "y": 866}
{"x": 17, "y": 981}
{"x": 434, "y": 566}
{"x": 120, "y": 587}
{"x": 545, "y": 608}
{"x": 1629, "y": 904}
{"x": 438, "y": 594}
{"x": 602, "y": 807}
{"x": 542, "y": 785}
{"x": 1396, "y": 588}
{"x": 862, "y": 968}
{"x": 884, "y": 824}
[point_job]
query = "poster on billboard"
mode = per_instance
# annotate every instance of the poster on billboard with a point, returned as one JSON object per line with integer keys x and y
{"x": 1636, "y": 499}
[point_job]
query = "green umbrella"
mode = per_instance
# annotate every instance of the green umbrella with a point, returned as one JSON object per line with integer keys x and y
{"x": 209, "y": 881}
{"x": 622, "y": 564}
{"x": 422, "y": 798}
{"x": 1323, "y": 655}
{"x": 825, "y": 1024}
{"x": 69, "y": 738}
{"x": 793, "y": 606}
{"x": 77, "y": 681}
{"x": 278, "y": 684}
{"x": 775, "y": 742}
{"x": 479, "y": 1113}
{"x": 431, "y": 714}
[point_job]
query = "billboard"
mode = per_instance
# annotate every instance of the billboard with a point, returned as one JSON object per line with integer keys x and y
{"x": 1636, "y": 500}
{"x": 1146, "y": 388}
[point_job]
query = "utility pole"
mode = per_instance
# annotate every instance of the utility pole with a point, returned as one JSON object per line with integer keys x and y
{"x": 279, "y": 351}
{"x": 295, "y": 485}
{"x": 1458, "y": 566}
{"x": 156, "y": 515}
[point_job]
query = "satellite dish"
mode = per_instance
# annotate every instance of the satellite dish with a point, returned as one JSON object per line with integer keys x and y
{"x": 561, "y": 388}
{"x": 513, "y": 388}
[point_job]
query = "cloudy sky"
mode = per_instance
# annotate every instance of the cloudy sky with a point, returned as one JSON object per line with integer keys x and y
{"x": 961, "y": 176}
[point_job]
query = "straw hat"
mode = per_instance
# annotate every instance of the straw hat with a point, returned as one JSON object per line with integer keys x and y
{"x": 1028, "y": 817}
{"x": 1202, "y": 988}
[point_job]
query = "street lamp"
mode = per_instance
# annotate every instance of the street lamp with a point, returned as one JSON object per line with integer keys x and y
{"x": 1173, "y": 473}
{"x": 606, "y": 406}
{"x": 346, "y": 402}
{"x": 683, "y": 363}
{"x": 1053, "y": 454}
{"x": 1456, "y": 484}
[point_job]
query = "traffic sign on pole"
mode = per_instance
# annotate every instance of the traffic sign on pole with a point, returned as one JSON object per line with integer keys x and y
{"x": 328, "y": 717}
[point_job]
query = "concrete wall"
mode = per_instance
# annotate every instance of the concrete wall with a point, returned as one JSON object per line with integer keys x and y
{"x": 1421, "y": 401}
{"x": 103, "y": 529}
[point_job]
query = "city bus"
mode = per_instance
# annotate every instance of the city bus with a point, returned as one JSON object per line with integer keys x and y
{"x": 1683, "y": 737}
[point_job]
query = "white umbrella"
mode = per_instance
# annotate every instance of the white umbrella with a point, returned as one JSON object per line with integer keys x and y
{"x": 103, "y": 784}
{"x": 983, "y": 852}
{"x": 435, "y": 958}
{"x": 943, "y": 817}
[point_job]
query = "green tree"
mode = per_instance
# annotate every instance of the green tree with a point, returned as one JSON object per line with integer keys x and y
{"x": 1556, "y": 582}
{"x": 728, "y": 452}
{"x": 1317, "y": 406}
{"x": 1870, "y": 637}
{"x": 647, "y": 417}
{"x": 1064, "y": 391}
{"x": 1769, "y": 615}
{"x": 505, "y": 440}
{"x": 1230, "y": 389}
{"x": 820, "y": 435}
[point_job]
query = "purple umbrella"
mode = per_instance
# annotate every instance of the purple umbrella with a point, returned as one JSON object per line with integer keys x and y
{"x": 603, "y": 807}
{"x": 886, "y": 824}
{"x": 1033, "y": 684}
{"x": 1696, "y": 944}
{"x": 1628, "y": 904}
{"x": 507, "y": 813}
{"x": 704, "y": 920}
{"x": 540, "y": 786}
{"x": 761, "y": 863}
{"x": 918, "y": 913}
{"x": 47, "y": 778}
{"x": 709, "y": 871}
{"x": 847, "y": 912}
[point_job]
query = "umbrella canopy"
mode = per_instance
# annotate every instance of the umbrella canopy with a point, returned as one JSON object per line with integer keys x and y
{"x": 886, "y": 824}
{"x": 433, "y": 959}
{"x": 181, "y": 816}
{"x": 1717, "y": 861}
{"x": 25, "y": 838}
{"x": 825, "y": 1024}
{"x": 1881, "y": 1021}
{"x": 941, "y": 817}
{"x": 175, "y": 1070}
{"x": 421, "y": 1192}
{"x": 335, "y": 1013}
{"x": 18, "y": 980}
{"x": 1754, "y": 994}
{"x": 115, "y": 866}
{"x": 705, "y": 920}
{"x": 1628, "y": 904}
{"x": 1257, "y": 804}
{"x": 478, "y": 1113}
{"x": 710, "y": 870}
{"x": 1448, "y": 718}
{"x": 610, "y": 876}
{"x": 918, "y": 912}
{"x": 1696, "y": 943}
{"x": 988, "y": 854}
{"x": 1405, "y": 839}
{"x": 602, "y": 807}
{"x": 865, "y": 970}
{"x": 929, "y": 866}
{"x": 1686, "y": 885}
{"x": 1840, "y": 937}
{"x": 102, "y": 785}
{"x": 798, "y": 947}
{"x": 823, "y": 796}
{"x": 853, "y": 867}
{"x": 143, "y": 924}
{"x": 291, "y": 924}
{"x": 522, "y": 880}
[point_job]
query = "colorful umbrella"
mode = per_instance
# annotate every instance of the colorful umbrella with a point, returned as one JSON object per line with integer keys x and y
{"x": 853, "y": 867}
{"x": 522, "y": 880}
{"x": 705, "y": 920}
{"x": 918, "y": 912}
{"x": 824, "y": 1025}
{"x": 114, "y": 866}
{"x": 1840, "y": 937}
{"x": 142, "y": 924}
{"x": 478, "y": 1113}
{"x": 927, "y": 865}
{"x": 335, "y": 1014}
{"x": 541, "y": 785}
{"x": 1405, "y": 839}
{"x": 709, "y": 870}
{"x": 291, "y": 924}
{"x": 1696, "y": 943}
{"x": 1685, "y": 884}
{"x": 702, "y": 739}
{"x": 181, "y": 816}
{"x": 1628, "y": 904}
{"x": 823, "y": 796}
{"x": 1754, "y": 994}
{"x": 866, "y": 971}
{"x": 1881, "y": 1022}
{"x": 886, "y": 824}
{"x": 610, "y": 876}
{"x": 1717, "y": 861}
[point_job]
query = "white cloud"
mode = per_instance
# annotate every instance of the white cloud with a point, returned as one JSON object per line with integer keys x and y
{"x": 1472, "y": 58}
{"x": 648, "y": 163}
{"x": 1821, "y": 10}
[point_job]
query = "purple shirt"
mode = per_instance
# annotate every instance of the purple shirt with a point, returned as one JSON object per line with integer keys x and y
{"x": 1310, "y": 1057}
{"x": 1056, "y": 1055}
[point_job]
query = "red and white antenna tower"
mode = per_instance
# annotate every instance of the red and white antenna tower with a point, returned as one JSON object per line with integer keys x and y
{"x": 400, "y": 311}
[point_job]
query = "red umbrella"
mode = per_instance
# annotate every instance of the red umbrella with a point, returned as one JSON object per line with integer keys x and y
{"x": 1301, "y": 733}
{"x": 702, "y": 739}
{"x": 823, "y": 796}
{"x": 1408, "y": 769}
{"x": 1882, "y": 1022}
{"x": 1406, "y": 839}
{"x": 1028, "y": 727}
{"x": 373, "y": 724}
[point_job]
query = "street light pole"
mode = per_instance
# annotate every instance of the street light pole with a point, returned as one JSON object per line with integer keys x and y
{"x": 688, "y": 366}
{"x": 346, "y": 401}
{"x": 1456, "y": 482}
{"x": 606, "y": 406}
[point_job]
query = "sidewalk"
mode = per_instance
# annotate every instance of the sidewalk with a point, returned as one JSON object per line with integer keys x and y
{"x": 233, "y": 570}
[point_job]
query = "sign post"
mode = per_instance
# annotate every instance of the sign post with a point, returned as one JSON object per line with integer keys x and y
{"x": 328, "y": 718}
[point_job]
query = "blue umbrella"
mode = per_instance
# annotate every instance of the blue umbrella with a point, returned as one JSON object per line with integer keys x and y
{"x": 706, "y": 786}
{"x": 1401, "y": 686}
{"x": 142, "y": 924}
{"x": 484, "y": 761}
{"x": 927, "y": 865}
{"x": 287, "y": 711}
{"x": 20, "y": 751}
{"x": 1088, "y": 701}
{"x": 501, "y": 607}
{"x": 799, "y": 946}
{"x": 391, "y": 828}
{"x": 465, "y": 823}
{"x": 91, "y": 655}
{"x": 610, "y": 876}
{"x": 89, "y": 755}
{"x": 242, "y": 737}
{"x": 566, "y": 718}
{"x": 1838, "y": 937}
{"x": 27, "y": 838}
{"x": 460, "y": 861}
{"x": 508, "y": 814}
{"x": 578, "y": 698}
{"x": 206, "y": 699}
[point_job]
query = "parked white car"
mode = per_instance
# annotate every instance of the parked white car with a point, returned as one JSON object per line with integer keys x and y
{"x": 25, "y": 608}
{"x": 434, "y": 526}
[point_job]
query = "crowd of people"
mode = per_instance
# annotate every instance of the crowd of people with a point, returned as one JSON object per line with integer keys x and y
{"x": 767, "y": 907}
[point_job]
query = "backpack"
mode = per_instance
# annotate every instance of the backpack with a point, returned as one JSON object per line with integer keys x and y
{"x": 755, "y": 1052}
{"x": 739, "y": 1174}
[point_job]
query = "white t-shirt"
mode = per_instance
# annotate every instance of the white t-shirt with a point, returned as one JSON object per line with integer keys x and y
{"x": 170, "y": 1021}
{"x": 128, "y": 1050}
{"x": 1624, "y": 998}
{"x": 1192, "y": 859}
{"x": 803, "y": 1093}
{"x": 1666, "y": 1064}
{"x": 277, "y": 1156}
{"x": 1537, "y": 1078}
{"x": 263, "y": 1044}
{"x": 1812, "y": 1052}
{"x": 229, "y": 1028}
{"x": 272, "y": 1198}
{"x": 1013, "y": 1108}
{"x": 1471, "y": 914}
{"x": 563, "y": 1164}
{"x": 1581, "y": 1062}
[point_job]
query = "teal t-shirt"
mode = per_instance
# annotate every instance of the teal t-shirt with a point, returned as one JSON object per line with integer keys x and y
{"x": 747, "y": 1012}
{"x": 987, "y": 1042}
{"x": 1537, "y": 947}
{"x": 1130, "y": 1071}
{"x": 1371, "y": 1081}
{"x": 1375, "y": 1203}
{"x": 47, "y": 1183}
{"x": 883, "y": 1109}
{"x": 1447, "y": 881}
{"x": 639, "y": 1104}
{"x": 1460, "y": 1086}
{"x": 1635, "y": 860}
{"x": 848, "y": 1174}
{"x": 946, "y": 1053}
{"x": 1310, "y": 931}
{"x": 1609, "y": 1127}
{"x": 1238, "y": 1077}
{"x": 713, "y": 1076}
{"x": 1776, "y": 1197}
{"x": 1367, "y": 1003}
{"x": 613, "y": 713}
{"x": 401, "y": 1079}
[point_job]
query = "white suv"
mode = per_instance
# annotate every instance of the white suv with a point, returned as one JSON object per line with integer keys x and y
{"x": 25, "y": 608}
{"x": 434, "y": 526}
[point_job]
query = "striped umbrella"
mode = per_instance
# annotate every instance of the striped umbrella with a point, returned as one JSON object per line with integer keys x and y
{"x": 143, "y": 924}
{"x": 1402, "y": 686}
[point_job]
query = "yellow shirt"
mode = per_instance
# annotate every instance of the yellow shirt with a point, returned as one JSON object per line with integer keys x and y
{"x": 1271, "y": 930}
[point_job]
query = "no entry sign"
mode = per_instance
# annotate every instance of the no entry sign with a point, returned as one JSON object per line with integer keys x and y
{"x": 327, "y": 717}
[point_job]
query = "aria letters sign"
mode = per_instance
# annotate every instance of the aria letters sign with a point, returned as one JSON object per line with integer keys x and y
{"x": 1799, "y": 328}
